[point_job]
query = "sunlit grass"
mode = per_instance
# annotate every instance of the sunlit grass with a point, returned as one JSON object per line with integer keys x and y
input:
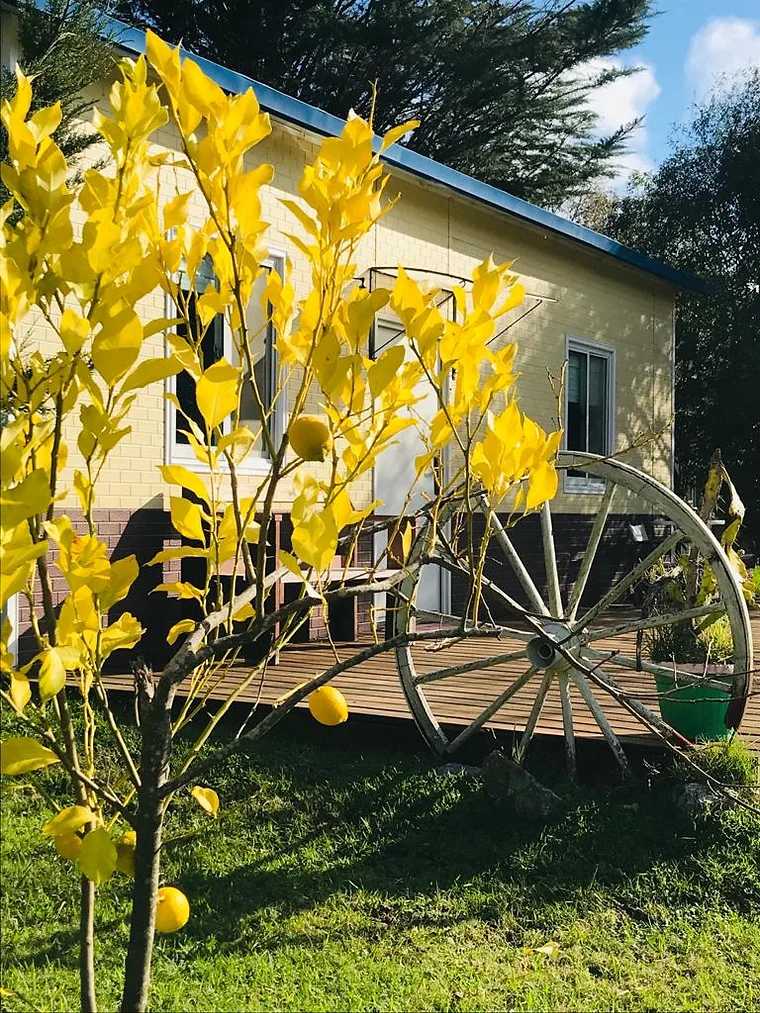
{"x": 342, "y": 877}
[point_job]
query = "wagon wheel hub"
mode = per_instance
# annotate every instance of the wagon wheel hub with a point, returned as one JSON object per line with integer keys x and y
{"x": 542, "y": 649}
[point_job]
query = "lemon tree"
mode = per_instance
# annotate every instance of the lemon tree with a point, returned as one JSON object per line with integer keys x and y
{"x": 75, "y": 261}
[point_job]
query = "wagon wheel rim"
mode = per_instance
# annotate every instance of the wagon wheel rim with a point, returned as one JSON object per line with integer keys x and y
{"x": 583, "y": 673}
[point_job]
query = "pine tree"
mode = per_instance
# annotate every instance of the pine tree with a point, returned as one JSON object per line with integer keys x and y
{"x": 65, "y": 46}
{"x": 499, "y": 85}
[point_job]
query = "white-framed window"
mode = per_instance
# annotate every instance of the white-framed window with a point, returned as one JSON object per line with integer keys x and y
{"x": 217, "y": 343}
{"x": 589, "y": 406}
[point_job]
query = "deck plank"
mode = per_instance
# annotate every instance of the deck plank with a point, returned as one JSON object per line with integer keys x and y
{"x": 373, "y": 687}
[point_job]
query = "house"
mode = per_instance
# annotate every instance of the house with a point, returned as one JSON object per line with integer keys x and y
{"x": 606, "y": 310}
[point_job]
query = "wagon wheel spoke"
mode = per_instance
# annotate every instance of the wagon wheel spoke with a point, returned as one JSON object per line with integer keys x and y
{"x": 567, "y": 724}
{"x": 653, "y": 621}
{"x": 492, "y": 708}
{"x": 634, "y": 706}
{"x": 470, "y": 666}
{"x": 513, "y": 558}
{"x": 535, "y": 712}
{"x": 598, "y": 714}
{"x": 550, "y": 562}
{"x": 589, "y": 554}
{"x": 636, "y": 665}
{"x": 630, "y": 578}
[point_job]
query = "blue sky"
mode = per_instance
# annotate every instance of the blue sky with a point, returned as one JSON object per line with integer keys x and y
{"x": 690, "y": 44}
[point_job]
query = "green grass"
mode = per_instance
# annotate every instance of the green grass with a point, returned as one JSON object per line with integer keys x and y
{"x": 349, "y": 877}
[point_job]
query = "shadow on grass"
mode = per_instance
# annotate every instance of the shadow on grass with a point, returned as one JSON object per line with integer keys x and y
{"x": 394, "y": 850}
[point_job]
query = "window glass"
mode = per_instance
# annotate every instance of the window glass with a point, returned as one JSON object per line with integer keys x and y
{"x": 597, "y": 405}
{"x": 212, "y": 349}
{"x": 260, "y": 341}
{"x": 576, "y": 400}
{"x": 216, "y": 343}
{"x": 588, "y": 407}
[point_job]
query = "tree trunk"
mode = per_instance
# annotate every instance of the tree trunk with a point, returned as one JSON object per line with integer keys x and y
{"x": 142, "y": 926}
{"x": 156, "y": 746}
{"x": 87, "y": 947}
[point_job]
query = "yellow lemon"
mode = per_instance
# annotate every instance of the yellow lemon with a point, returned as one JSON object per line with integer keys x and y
{"x": 125, "y": 853}
{"x": 172, "y": 909}
{"x": 328, "y": 706}
{"x": 310, "y": 438}
{"x": 68, "y": 845}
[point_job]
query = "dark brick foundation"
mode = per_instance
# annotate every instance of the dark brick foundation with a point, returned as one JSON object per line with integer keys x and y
{"x": 145, "y": 532}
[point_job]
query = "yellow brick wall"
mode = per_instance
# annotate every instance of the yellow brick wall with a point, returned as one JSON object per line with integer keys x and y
{"x": 592, "y": 297}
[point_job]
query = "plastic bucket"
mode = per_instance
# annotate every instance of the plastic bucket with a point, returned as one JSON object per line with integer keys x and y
{"x": 697, "y": 711}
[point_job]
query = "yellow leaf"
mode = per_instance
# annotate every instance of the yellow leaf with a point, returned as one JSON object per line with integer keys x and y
{"x": 181, "y": 552}
{"x": 125, "y": 632}
{"x": 29, "y": 497}
{"x": 549, "y": 949}
{"x": 396, "y": 133}
{"x": 543, "y": 484}
{"x": 151, "y": 371}
{"x": 20, "y": 755}
{"x": 183, "y": 626}
{"x": 187, "y": 518}
{"x": 75, "y": 330}
{"x": 52, "y": 676}
{"x": 20, "y": 691}
{"x": 175, "y": 210}
{"x": 68, "y": 821}
{"x": 122, "y": 575}
{"x": 97, "y": 857}
{"x": 246, "y": 611}
{"x": 217, "y": 392}
{"x": 182, "y": 589}
{"x": 381, "y": 373}
{"x": 176, "y": 474}
{"x": 117, "y": 344}
{"x": 206, "y": 798}
{"x": 291, "y": 563}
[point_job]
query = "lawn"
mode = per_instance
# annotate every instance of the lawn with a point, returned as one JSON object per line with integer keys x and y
{"x": 346, "y": 875}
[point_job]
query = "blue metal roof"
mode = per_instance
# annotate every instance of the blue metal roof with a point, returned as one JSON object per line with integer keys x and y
{"x": 295, "y": 111}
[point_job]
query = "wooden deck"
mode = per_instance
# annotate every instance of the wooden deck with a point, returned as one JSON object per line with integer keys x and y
{"x": 373, "y": 687}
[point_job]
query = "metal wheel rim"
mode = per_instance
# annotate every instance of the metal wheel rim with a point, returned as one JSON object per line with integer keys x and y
{"x": 616, "y": 474}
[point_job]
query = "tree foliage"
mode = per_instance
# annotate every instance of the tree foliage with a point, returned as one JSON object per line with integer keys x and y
{"x": 500, "y": 87}
{"x": 701, "y": 212}
{"x": 64, "y": 47}
{"x": 81, "y": 286}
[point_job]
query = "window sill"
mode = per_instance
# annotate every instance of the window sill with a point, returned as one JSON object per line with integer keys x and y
{"x": 254, "y": 466}
{"x": 590, "y": 487}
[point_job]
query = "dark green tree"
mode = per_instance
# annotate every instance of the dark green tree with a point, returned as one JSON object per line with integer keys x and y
{"x": 701, "y": 212}
{"x": 499, "y": 85}
{"x": 65, "y": 44}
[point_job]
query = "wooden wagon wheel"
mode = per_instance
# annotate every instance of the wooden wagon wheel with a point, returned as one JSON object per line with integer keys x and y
{"x": 557, "y": 644}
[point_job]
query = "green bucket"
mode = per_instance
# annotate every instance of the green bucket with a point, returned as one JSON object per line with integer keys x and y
{"x": 698, "y": 712}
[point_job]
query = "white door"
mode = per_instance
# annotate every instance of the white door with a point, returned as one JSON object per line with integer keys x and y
{"x": 394, "y": 478}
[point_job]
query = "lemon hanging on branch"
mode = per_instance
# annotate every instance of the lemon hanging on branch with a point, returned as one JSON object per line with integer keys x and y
{"x": 172, "y": 909}
{"x": 328, "y": 706}
{"x": 310, "y": 438}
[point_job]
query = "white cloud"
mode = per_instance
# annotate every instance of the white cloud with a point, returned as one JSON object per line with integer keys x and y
{"x": 718, "y": 50}
{"x": 620, "y": 102}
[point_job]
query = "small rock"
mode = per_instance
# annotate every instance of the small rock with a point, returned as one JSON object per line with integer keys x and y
{"x": 695, "y": 799}
{"x": 455, "y": 768}
{"x": 508, "y": 781}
